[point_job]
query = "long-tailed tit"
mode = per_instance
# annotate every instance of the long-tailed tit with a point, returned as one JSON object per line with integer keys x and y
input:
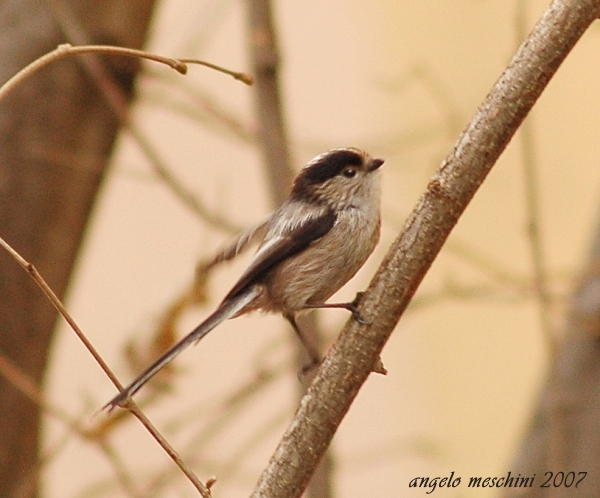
{"x": 309, "y": 248}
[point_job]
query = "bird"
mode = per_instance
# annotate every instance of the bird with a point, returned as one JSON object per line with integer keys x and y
{"x": 308, "y": 248}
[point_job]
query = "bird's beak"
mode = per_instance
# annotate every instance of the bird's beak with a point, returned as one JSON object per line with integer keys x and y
{"x": 375, "y": 164}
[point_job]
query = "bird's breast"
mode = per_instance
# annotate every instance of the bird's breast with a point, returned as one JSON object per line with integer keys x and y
{"x": 315, "y": 274}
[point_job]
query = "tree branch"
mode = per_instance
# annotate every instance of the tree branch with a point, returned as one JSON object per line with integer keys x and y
{"x": 280, "y": 173}
{"x": 355, "y": 354}
{"x": 269, "y": 109}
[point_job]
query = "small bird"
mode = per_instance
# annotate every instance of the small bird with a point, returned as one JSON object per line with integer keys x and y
{"x": 308, "y": 249}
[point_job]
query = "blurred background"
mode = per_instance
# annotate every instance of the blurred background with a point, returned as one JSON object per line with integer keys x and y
{"x": 467, "y": 361}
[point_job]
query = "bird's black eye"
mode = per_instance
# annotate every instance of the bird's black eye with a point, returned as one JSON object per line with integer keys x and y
{"x": 350, "y": 172}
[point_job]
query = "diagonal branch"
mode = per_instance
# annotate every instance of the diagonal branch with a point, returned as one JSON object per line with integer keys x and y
{"x": 355, "y": 354}
{"x": 133, "y": 408}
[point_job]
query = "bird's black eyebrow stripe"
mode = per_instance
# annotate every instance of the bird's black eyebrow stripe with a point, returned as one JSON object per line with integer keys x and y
{"x": 329, "y": 166}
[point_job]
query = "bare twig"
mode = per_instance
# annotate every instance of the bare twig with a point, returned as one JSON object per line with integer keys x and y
{"x": 354, "y": 355}
{"x": 34, "y": 274}
{"x": 29, "y": 268}
{"x": 117, "y": 103}
{"x": 243, "y": 77}
{"x": 66, "y": 50}
{"x": 120, "y": 108}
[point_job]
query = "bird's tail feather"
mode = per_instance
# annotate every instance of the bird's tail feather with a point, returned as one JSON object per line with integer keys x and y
{"x": 226, "y": 310}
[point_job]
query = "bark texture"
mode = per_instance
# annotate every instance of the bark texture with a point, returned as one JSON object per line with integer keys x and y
{"x": 56, "y": 135}
{"x": 564, "y": 434}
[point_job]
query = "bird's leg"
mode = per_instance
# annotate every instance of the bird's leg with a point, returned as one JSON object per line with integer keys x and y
{"x": 314, "y": 356}
{"x": 351, "y": 307}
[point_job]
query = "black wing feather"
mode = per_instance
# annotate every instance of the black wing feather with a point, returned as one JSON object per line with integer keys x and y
{"x": 295, "y": 241}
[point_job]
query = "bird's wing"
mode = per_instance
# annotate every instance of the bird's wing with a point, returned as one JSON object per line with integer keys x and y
{"x": 284, "y": 239}
{"x": 239, "y": 244}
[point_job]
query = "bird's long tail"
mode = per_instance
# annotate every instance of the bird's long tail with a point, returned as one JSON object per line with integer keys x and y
{"x": 226, "y": 310}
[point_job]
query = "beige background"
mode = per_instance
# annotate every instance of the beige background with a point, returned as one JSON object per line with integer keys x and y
{"x": 399, "y": 79}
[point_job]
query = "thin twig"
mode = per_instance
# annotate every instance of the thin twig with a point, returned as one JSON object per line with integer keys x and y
{"x": 113, "y": 94}
{"x": 29, "y": 268}
{"x": 30, "y": 389}
{"x": 67, "y": 50}
{"x": 37, "y": 278}
{"x": 119, "y": 107}
{"x": 243, "y": 77}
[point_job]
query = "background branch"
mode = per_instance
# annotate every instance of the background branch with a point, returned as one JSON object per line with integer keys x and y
{"x": 563, "y": 432}
{"x": 76, "y": 33}
{"x": 274, "y": 144}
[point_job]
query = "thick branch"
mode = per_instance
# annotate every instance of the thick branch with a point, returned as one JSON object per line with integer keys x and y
{"x": 55, "y": 139}
{"x": 356, "y": 352}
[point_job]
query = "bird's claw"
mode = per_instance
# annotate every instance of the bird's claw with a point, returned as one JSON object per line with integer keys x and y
{"x": 353, "y": 308}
